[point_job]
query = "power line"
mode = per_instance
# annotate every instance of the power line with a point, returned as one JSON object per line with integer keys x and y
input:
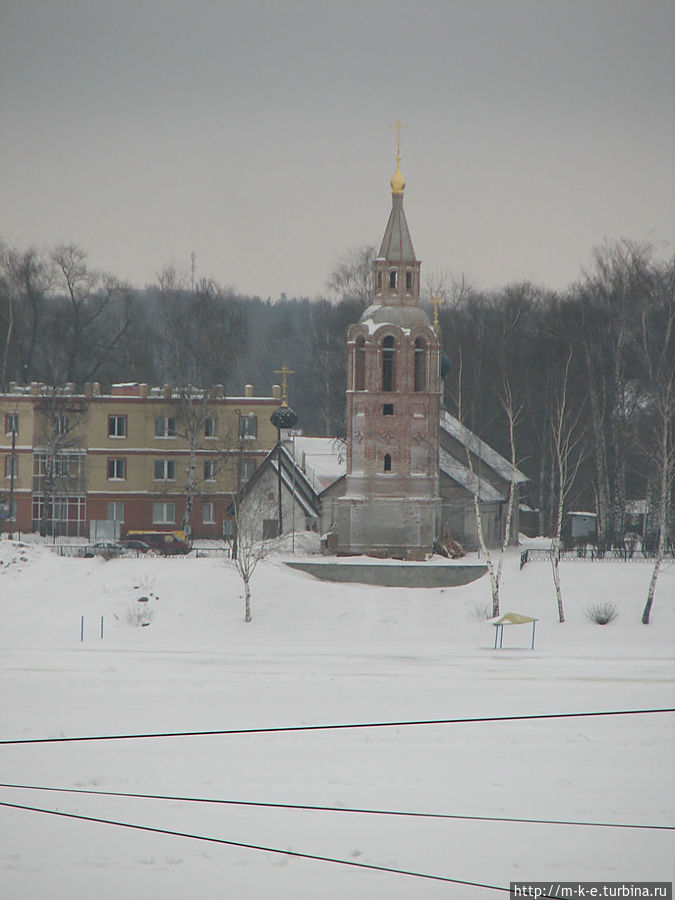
{"x": 334, "y": 727}
{"x": 297, "y": 854}
{"x": 334, "y": 809}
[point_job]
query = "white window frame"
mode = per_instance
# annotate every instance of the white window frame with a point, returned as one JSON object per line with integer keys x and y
{"x": 12, "y": 423}
{"x": 208, "y": 512}
{"x": 210, "y": 428}
{"x": 209, "y": 470}
{"x": 114, "y": 430}
{"x": 164, "y": 512}
{"x": 165, "y": 427}
{"x": 8, "y": 466}
{"x": 115, "y": 463}
{"x": 168, "y": 469}
{"x": 248, "y": 427}
{"x": 115, "y": 507}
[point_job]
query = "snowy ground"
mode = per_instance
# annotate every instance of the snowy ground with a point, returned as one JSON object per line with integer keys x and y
{"x": 320, "y": 653}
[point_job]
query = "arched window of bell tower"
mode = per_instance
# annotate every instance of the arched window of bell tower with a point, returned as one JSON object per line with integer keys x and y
{"x": 420, "y": 365}
{"x": 379, "y": 282}
{"x": 408, "y": 280}
{"x": 393, "y": 274}
{"x": 360, "y": 365}
{"x": 387, "y": 462}
{"x": 388, "y": 364}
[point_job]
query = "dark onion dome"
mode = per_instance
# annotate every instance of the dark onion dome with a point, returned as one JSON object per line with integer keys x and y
{"x": 446, "y": 365}
{"x": 283, "y": 417}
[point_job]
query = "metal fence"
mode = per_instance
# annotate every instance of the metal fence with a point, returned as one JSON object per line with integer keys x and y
{"x": 593, "y": 554}
{"x": 81, "y": 548}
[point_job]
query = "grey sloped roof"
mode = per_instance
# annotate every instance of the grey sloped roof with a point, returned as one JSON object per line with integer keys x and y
{"x": 464, "y": 477}
{"x": 479, "y": 448}
{"x": 397, "y": 244}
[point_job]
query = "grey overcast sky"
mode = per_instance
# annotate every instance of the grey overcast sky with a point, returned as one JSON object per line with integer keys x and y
{"x": 257, "y": 133}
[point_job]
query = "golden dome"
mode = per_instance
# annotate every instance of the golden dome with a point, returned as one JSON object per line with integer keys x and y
{"x": 397, "y": 182}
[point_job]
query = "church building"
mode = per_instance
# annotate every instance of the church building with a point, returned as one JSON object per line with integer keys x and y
{"x": 411, "y": 473}
{"x": 389, "y": 501}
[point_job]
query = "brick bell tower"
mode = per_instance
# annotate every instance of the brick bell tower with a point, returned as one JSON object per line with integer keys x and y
{"x": 391, "y": 505}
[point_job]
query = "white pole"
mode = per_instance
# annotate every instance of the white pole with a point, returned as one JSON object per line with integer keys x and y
{"x": 293, "y": 507}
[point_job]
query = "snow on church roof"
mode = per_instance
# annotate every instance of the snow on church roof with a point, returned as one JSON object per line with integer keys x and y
{"x": 324, "y": 458}
{"x": 463, "y": 476}
{"x": 479, "y": 448}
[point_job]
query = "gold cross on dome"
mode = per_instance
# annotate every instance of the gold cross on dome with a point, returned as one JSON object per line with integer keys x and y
{"x": 284, "y": 371}
{"x": 398, "y": 125}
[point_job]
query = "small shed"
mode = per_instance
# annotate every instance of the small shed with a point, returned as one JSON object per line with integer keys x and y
{"x": 583, "y": 525}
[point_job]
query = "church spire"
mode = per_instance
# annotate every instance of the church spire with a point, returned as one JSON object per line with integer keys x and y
{"x": 396, "y": 268}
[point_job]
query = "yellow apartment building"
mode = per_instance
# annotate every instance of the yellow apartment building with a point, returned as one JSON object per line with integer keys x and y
{"x": 72, "y": 460}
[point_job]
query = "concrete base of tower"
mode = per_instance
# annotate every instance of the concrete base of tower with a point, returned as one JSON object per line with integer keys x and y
{"x": 386, "y": 526}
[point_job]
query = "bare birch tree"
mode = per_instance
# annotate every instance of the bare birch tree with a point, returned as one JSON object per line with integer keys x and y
{"x": 251, "y": 545}
{"x": 565, "y": 438}
{"x": 658, "y": 426}
{"x": 494, "y": 569}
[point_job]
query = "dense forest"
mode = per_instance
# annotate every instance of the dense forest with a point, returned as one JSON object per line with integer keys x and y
{"x": 588, "y": 370}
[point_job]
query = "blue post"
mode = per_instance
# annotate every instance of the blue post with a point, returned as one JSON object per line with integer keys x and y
{"x": 82, "y": 629}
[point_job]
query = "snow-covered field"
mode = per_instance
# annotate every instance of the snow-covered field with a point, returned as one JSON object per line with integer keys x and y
{"x": 314, "y": 654}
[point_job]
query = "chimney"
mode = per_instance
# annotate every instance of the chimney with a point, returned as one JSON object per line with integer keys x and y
{"x": 248, "y": 390}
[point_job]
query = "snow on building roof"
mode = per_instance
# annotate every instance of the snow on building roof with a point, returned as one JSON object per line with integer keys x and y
{"x": 323, "y": 459}
{"x": 479, "y": 448}
{"x": 467, "y": 479}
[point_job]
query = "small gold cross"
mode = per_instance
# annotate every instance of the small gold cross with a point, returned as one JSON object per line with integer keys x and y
{"x": 284, "y": 371}
{"x": 398, "y": 125}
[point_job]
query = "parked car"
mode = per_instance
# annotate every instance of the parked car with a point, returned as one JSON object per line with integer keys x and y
{"x": 135, "y": 546}
{"x": 106, "y": 549}
{"x": 168, "y": 543}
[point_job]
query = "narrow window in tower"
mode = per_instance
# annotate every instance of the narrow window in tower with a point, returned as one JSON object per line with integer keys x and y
{"x": 408, "y": 281}
{"x": 388, "y": 364}
{"x": 387, "y": 462}
{"x": 392, "y": 279}
{"x": 379, "y": 282}
{"x": 360, "y": 365}
{"x": 420, "y": 365}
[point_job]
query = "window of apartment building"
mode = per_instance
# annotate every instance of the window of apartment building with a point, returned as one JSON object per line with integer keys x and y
{"x": 116, "y": 511}
{"x": 11, "y": 463}
{"x": 248, "y": 467}
{"x": 117, "y": 426}
{"x": 209, "y": 470}
{"x": 209, "y": 513}
{"x": 117, "y": 468}
{"x": 165, "y": 426}
{"x": 210, "y": 427}
{"x": 61, "y": 465}
{"x": 61, "y": 425}
{"x": 165, "y": 470}
{"x": 11, "y": 423}
{"x": 248, "y": 426}
{"x": 163, "y": 513}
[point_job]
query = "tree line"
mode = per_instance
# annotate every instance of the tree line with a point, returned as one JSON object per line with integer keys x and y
{"x": 588, "y": 371}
